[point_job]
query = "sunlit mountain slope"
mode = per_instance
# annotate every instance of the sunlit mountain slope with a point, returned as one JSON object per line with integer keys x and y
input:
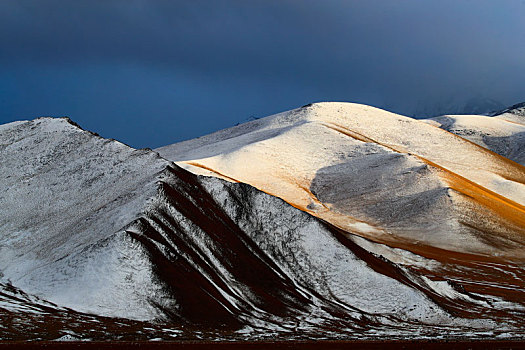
{"x": 92, "y": 230}
{"x": 396, "y": 229}
{"x": 386, "y": 177}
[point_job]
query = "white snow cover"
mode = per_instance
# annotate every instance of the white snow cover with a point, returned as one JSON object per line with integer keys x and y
{"x": 381, "y": 175}
{"x": 313, "y": 257}
{"x": 504, "y": 136}
{"x": 65, "y": 195}
{"x": 69, "y": 194}
{"x": 69, "y": 197}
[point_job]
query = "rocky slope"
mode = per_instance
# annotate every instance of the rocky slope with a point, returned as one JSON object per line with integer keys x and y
{"x": 102, "y": 241}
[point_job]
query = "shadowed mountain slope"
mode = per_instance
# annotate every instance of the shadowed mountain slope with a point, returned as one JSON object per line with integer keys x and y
{"x": 124, "y": 240}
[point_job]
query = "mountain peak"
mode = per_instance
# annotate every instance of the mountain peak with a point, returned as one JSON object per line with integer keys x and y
{"x": 333, "y": 216}
{"x": 517, "y": 109}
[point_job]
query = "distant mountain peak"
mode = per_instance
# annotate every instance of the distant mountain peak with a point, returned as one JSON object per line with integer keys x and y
{"x": 517, "y": 109}
{"x": 474, "y": 106}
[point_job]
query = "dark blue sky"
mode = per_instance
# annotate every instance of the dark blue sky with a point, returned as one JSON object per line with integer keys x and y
{"x": 154, "y": 72}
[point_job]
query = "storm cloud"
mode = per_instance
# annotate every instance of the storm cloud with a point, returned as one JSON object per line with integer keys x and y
{"x": 155, "y": 72}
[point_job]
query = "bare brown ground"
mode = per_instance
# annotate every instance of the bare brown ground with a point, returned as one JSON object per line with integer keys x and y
{"x": 357, "y": 344}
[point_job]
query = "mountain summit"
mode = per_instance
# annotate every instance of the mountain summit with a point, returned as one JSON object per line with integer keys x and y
{"x": 330, "y": 221}
{"x": 382, "y": 176}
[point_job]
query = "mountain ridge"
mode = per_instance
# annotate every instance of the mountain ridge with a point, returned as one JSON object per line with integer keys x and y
{"x": 268, "y": 138}
{"x": 97, "y": 230}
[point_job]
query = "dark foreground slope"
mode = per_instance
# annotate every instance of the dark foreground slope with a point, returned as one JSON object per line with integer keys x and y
{"x": 100, "y": 241}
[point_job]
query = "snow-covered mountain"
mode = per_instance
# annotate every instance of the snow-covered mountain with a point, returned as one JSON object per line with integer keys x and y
{"x": 502, "y": 133}
{"x": 386, "y": 177}
{"x": 330, "y": 221}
